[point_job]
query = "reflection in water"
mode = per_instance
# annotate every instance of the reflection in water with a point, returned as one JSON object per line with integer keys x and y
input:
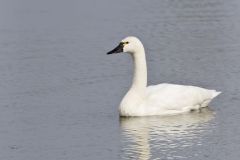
{"x": 164, "y": 137}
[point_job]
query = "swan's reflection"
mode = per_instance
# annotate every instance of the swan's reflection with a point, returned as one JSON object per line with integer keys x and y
{"x": 163, "y": 137}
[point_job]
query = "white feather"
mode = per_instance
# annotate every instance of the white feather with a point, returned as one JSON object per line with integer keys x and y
{"x": 162, "y": 99}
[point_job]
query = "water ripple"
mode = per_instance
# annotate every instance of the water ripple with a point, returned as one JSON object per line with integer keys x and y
{"x": 164, "y": 137}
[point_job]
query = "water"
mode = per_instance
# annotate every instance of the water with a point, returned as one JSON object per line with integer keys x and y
{"x": 59, "y": 91}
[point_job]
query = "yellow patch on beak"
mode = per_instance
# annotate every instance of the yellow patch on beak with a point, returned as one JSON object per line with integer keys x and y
{"x": 125, "y": 43}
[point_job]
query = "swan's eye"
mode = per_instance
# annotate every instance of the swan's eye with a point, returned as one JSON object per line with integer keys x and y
{"x": 124, "y": 43}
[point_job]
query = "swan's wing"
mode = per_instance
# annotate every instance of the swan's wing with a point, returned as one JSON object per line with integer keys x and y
{"x": 177, "y": 97}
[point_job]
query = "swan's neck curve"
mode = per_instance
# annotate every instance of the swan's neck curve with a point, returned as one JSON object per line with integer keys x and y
{"x": 139, "y": 81}
{"x": 134, "y": 97}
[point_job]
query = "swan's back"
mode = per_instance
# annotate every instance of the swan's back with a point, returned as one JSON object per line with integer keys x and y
{"x": 172, "y": 99}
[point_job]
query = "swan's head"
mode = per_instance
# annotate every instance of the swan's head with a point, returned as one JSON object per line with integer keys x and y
{"x": 128, "y": 45}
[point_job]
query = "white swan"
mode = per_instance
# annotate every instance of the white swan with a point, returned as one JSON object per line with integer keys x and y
{"x": 161, "y": 99}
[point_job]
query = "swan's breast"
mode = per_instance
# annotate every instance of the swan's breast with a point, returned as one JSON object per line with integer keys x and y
{"x": 131, "y": 104}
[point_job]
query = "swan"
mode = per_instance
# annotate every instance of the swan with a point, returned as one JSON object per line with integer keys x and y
{"x": 161, "y": 99}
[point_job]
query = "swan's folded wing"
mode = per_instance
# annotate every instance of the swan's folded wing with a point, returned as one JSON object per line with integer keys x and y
{"x": 177, "y": 97}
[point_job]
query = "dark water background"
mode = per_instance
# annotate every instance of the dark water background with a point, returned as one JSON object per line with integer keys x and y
{"x": 59, "y": 92}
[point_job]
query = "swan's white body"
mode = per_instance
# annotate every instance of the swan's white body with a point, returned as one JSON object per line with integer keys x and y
{"x": 162, "y": 99}
{"x": 165, "y": 99}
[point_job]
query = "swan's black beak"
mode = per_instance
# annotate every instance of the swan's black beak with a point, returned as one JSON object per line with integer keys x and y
{"x": 118, "y": 49}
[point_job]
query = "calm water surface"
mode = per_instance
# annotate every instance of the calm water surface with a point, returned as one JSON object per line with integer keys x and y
{"x": 59, "y": 91}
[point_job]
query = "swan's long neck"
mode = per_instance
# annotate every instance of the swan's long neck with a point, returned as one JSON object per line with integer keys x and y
{"x": 139, "y": 82}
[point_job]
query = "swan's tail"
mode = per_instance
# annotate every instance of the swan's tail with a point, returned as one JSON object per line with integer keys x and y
{"x": 215, "y": 93}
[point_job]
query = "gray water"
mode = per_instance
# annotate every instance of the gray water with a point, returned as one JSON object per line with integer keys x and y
{"x": 59, "y": 91}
